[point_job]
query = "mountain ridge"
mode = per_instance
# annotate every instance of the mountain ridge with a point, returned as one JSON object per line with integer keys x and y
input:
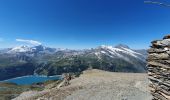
{"x": 51, "y": 61}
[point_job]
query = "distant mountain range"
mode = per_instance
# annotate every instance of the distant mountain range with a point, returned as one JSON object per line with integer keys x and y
{"x": 25, "y": 60}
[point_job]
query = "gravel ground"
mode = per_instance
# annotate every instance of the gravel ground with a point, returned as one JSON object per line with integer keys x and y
{"x": 99, "y": 85}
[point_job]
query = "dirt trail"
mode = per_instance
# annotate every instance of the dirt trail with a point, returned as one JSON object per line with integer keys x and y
{"x": 99, "y": 85}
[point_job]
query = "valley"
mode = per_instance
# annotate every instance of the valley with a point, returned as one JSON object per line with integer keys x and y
{"x": 40, "y": 60}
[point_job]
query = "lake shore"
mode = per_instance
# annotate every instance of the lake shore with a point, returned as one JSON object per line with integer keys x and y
{"x": 31, "y": 79}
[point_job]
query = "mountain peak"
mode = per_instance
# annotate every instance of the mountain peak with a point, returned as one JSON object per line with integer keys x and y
{"x": 39, "y": 47}
{"x": 105, "y": 46}
{"x": 22, "y": 48}
{"x": 122, "y": 45}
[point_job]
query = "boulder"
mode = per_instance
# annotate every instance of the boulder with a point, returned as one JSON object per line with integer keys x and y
{"x": 155, "y": 50}
{"x": 166, "y": 37}
{"x": 165, "y": 42}
{"x": 156, "y": 56}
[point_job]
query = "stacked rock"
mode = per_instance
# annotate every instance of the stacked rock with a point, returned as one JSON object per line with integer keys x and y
{"x": 159, "y": 68}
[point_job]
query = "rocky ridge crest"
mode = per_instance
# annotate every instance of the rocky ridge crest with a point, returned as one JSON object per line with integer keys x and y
{"x": 158, "y": 64}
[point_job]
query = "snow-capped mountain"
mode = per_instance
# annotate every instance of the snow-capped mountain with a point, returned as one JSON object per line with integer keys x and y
{"x": 35, "y": 49}
{"x": 53, "y": 61}
{"x": 20, "y": 49}
{"x": 119, "y": 51}
{"x": 118, "y": 58}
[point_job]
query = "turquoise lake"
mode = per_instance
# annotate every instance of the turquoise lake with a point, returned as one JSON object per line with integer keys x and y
{"x": 28, "y": 80}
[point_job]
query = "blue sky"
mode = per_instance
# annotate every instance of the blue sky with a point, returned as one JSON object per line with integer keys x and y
{"x": 78, "y": 24}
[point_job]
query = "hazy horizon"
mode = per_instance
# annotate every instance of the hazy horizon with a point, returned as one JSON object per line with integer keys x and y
{"x": 1, "y": 48}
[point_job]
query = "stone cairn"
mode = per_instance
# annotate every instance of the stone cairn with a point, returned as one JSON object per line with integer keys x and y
{"x": 159, "y": 68}
{"x": 66, "y": 79}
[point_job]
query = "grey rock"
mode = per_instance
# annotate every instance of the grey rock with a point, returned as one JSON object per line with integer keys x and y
{"x": 165, "y": 42}
{"x": 161, "y": 56}
{"x": 166, "y": 37}
{"x": 155, "y": 50}
{"x": 159, "y": 68}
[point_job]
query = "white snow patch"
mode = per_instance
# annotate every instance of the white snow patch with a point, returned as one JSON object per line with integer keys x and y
{"x": 20, "y": 49}
{"x": 116, "y": 51}
{"x": 103, "y": 52}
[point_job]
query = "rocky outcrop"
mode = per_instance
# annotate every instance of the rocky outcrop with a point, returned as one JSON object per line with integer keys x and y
{"x": 159, "y": 68}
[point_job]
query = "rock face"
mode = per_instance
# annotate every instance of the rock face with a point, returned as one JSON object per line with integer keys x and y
{"x": 159, "y": 68}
